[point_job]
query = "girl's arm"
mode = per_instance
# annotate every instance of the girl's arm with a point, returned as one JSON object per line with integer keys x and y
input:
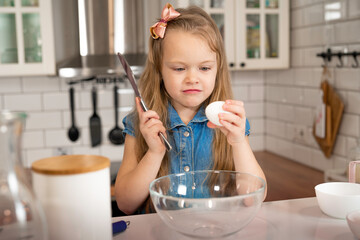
{"x": 134, "y": 178}
{"x": 245, "y": 160}
{"x": 234, "y": 129}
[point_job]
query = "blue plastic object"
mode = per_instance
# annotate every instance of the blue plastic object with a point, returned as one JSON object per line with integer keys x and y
{"x": 120, "y": 226}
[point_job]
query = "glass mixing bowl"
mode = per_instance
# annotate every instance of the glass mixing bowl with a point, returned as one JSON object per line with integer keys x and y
{"x": 207, "y": 204}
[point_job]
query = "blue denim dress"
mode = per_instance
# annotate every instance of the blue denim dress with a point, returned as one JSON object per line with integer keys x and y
{"x": 192, "y": 148}
{"x": 192, "y": 143}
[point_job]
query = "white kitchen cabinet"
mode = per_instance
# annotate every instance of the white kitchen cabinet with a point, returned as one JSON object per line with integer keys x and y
{"x": 27, "y": 38}
{"x": 256, "y": 32}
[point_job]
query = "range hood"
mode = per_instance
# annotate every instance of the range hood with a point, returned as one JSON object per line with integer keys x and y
{"x": 105, "y": 64}
{"x": 105, "y": 28}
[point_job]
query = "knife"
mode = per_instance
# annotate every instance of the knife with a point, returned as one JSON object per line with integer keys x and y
{"x": 131, "y": 78}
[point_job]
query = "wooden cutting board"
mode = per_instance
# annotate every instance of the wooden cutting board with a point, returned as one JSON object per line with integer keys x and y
{"x": 334, "y": 112}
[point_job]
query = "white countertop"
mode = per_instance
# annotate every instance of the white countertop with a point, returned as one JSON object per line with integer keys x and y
{"x": 288, "y": 219}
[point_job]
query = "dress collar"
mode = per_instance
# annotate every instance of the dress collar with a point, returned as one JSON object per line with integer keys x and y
{"x": 176, "y": 121}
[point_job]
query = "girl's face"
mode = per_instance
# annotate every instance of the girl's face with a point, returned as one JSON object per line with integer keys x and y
{"x": 188, "y": 69}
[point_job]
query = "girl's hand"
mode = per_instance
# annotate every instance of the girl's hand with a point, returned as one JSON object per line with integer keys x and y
{"x": 150, "y": 126}
{"x": 233, "y": 124}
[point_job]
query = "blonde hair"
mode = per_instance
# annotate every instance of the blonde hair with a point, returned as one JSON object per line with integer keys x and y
{"x": 196, "y": 21}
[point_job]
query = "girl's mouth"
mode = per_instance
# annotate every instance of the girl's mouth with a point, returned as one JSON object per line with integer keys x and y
{"x": 192, "y": 91}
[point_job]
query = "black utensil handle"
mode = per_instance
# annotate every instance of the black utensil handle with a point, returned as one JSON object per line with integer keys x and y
{"x": 94, "y": 98}
{"x": 116, "y": 104}
{"x": 72, "y": 107}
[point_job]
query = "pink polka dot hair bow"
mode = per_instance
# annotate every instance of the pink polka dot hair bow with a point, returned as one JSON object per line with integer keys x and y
{"x": 158, "y": 29}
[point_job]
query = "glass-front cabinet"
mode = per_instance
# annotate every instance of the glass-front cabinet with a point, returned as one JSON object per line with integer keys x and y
{"x": 261, "y": 31}
{"x": 215, "y": 8}
{"x": 26, "y": 39}
{"x": 256, "y": 32}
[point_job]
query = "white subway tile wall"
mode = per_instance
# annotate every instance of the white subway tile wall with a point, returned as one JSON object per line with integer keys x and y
{"x": 10, "y": 85}
{"x": 40, "y": 85}
{"x": 291, "y": 95}
{"x": 58, "y": 101}
{"x": 23, "y": 102}
{"x": 46, "y": 102}
{"x": 348, "y": 79}
{"x": 249, "y": 87}
{"x": 31, "y": 155}
{"x": 43, "y": 120}
{"x": 33, "y": 139}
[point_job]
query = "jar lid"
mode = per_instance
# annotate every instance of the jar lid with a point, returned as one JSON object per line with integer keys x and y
{"x": 70, "y": 164}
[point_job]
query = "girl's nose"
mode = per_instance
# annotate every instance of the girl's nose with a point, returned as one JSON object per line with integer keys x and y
{"x": 191, "y": 76}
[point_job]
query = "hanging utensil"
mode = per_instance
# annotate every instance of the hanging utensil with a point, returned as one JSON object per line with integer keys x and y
{"x": 73, "y": 132}
{"x": 131, "y": 78}
{"x": 95, "y": 122}
{"x": 116, "y": 134}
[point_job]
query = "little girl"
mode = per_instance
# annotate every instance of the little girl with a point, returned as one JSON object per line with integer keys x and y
{"x": 186, "y": 70}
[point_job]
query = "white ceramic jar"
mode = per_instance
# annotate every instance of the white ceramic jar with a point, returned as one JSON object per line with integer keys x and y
{"x": 75, "y": 193}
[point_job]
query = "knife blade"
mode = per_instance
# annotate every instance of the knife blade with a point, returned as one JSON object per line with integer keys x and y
{"x": 131, "y": 78}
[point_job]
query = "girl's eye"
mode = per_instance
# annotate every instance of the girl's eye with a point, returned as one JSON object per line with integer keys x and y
{"x": 204, "y": 68}
{"x": 179, "y": 69}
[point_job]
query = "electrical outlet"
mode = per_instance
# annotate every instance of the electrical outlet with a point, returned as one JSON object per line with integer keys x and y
{"x": 300, "y": 133}
{"x": 303, "y": 134}
{"x": 59, "y": 151}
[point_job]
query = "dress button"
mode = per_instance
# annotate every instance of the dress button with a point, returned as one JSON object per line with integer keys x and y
{"x": 186, "y": 134}
{"x": 186, "y": 168}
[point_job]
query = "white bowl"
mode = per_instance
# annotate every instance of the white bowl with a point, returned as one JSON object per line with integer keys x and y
{"x": 353, "y": 220}
{"x": 337, "y": 199}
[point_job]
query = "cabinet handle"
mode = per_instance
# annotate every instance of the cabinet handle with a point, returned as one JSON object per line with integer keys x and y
{"x": 231, "y": 64}
{"x": 242, "y": 64}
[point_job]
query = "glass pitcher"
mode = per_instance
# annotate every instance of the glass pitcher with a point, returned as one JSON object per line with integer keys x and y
{"x": 354, "y": 172}
{"x": 21, "y": 215}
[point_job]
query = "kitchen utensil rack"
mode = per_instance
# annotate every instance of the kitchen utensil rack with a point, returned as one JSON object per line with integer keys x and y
{"x": 106, "y": 79}
{"x": 328, "y": 55}
{"x": 94, "y": 121}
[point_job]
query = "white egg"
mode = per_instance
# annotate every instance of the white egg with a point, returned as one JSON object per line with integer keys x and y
{"x": 212, "y": 112}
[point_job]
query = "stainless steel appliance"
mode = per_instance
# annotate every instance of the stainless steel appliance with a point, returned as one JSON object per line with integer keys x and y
{"x": 105, "y": 28}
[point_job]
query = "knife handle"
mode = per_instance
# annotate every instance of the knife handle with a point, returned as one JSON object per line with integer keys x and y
{"x": 165, "y": 141}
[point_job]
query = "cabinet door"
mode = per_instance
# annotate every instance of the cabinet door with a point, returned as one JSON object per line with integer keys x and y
{"x": 215, "y": 8}
{"x": 255, "y": 32}
{"x": 262, "y": 34}
{"x": 26, "y": 42}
